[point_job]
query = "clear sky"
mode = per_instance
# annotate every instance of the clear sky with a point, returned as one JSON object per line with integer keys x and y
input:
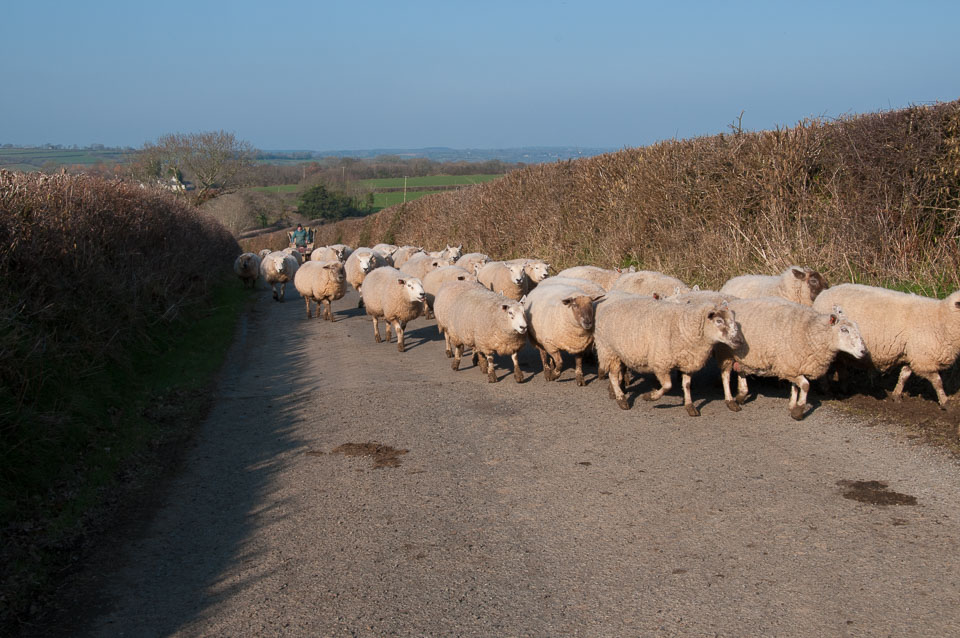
{"x": 360, "y": 74}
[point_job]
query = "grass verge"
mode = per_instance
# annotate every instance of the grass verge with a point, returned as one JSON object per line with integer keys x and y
{"x": 127, "y": 423}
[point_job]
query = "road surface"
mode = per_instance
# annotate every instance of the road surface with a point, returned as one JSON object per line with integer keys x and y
{"x": 533, "y": 509}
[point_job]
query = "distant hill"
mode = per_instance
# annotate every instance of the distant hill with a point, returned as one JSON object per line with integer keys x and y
{"x": 525, "y": 154}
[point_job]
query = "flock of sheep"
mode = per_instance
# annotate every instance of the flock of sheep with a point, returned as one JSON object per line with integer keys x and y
{"x": 791, "y": 326}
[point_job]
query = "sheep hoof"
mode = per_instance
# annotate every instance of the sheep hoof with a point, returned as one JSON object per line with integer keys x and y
{"x": 449, "y": 353}
{"x": 611, "y": 393}
{"x": 275, "y": 296}
{"x": 647, "y": 396}
{"x": 796, "y": 412}
{"x": 623, "y": 403}
{"x": 455, "y": 365}
{"x": 491, "y": 378}
{"x": 741, "y": 399}
{"x": 580, "y": 381}
{"x": 378, "y": 339}
{"x": 399, "y": 347}
{"x": 896, "y": 398}
{"x": 601, "y": 374}
{"x": 518, "y": 375}
{"x": 734, "y": 406}
{"x": 692, "y": 410}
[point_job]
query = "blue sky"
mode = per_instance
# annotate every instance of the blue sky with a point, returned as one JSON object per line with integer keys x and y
{"x": 358, "y": 74}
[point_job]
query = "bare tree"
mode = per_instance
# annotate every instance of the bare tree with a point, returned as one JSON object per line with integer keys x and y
{"x": 214, "y": 160}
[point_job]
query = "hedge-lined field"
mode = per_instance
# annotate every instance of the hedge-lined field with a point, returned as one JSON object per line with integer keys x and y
{"x": 871, "y": 198}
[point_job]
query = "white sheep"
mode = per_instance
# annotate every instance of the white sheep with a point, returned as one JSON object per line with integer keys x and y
{"x": 397, "y": 299}
{"x": 796, "y": 284}
{"x": 588, "y": 287}
{"x": 247, "y": 267}
{"x": 697, "y": 296}
{"x": 472, "y": 262}
{"x": 489, "y": 323}
{"x": 507, "y": 280}
{"x": 386, "y": 251}
{"x": 921, "y": 334}
{"x": 404, "y": 253}
{"x": 328, "y": 253}
{"x": 276, "y": 269}
{"x": 649, "y": 335}
{"x": 649, "y": 282}
{"x": 343, "y": 249}
{"x": 785, "y": 340}
{"x": 358, "y": 264}
{"x": 560, "y": 318}
{"x": 264, "y": 252}
{"x": 296, "y": 254}
{"x": 419, "y": 265}
{"x": 536, "y": 270}
{"x": 321, "y": 282}
{"x": 601, "y": 276}
{"x": 450, "y": 253}
{"x": 434, "y": 279}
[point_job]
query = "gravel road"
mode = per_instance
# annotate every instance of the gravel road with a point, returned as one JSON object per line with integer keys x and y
{"x": 528, "y": 509}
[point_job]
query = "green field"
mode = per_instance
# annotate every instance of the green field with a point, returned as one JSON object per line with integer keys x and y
{"x": 382, "y": 200}
{"x": 27, "y": 159}
{"x": 433, "y": 180}
{"x": 285, "y": 188}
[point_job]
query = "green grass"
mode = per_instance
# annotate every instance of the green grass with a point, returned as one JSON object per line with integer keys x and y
{"x": 433, "y": 180}
{"x": 383, "y": 200}
{"x": 283, "y": 188}
{"x": 35, "y": 158}
{"x": 116, "y": 421}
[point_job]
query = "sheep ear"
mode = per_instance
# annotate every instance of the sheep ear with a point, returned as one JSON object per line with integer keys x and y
{"x": 799, "y": 274}
{"x": 599, "y": 297}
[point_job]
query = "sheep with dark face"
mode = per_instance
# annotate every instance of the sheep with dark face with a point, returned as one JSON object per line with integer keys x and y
{"x": 247, "y": 268}
{"x": 560, "y": 318}
{"x": 796, "y": 284}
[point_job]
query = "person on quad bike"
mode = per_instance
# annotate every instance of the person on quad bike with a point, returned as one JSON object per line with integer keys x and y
{"x": 299, "y": 238}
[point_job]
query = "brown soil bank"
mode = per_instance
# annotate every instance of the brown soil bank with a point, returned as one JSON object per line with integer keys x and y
{"x": 871, "y": 198}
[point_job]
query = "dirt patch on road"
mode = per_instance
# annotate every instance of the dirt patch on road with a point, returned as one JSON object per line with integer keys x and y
{"x": 383, "y": 455}
{"x": 922, "y": 418}
{"x": 875, "y": 493}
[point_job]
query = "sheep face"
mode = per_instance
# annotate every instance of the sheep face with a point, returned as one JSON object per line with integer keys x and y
{"x": 366, "y": 262}
{"x": 516, "y": 317}
{"x": 846, "y": 334}
{"x": 720, "y": 325}
{"x": 538, "y": 271}
{"x": 278, "y": 264}
{"x": 516, "y": 273}
{"x": 337, "y": 269}
{"x": 583, "y": 310}
{"x": 413, "y": 288}
{"x": 453, "y": 253}
{"x": 814, "y": 282}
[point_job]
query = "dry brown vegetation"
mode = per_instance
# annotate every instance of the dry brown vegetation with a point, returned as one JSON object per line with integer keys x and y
{"x": 870, "y": 198}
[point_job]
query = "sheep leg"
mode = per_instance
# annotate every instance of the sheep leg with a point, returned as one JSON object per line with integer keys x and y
{"x": 725, "y": 382}
{"x": 557, "y": 363}
{"x": 666, "y": 383}
{"x": 742, "y": 388}
{"x": 398, "y": 327}
{"x": 457, "y": 354}
{"x": 798, "y": 397}
{"x": 480, "y": 361}
{"x": 448, "y": 350}
{"x": 376, "y": 330}
{"x": 687, "y": 399}
{"x": 579, "y": 360}
{"x": 307, "y": 300}
{"x": 615, "y": 371}
{"x": 389, "y": 329}
{"x": 517, "y": 372}
{"x": 937, "y": 383}
{"x": 283, "y": 289}
{"x": 491, "y": 369}
{"x": 360, "y": 303}
{"x": 547, "y": 366}
{"x": 327, "y": 310}
{"x": 905, "y": 373}
{"x": 276, "y": 297}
